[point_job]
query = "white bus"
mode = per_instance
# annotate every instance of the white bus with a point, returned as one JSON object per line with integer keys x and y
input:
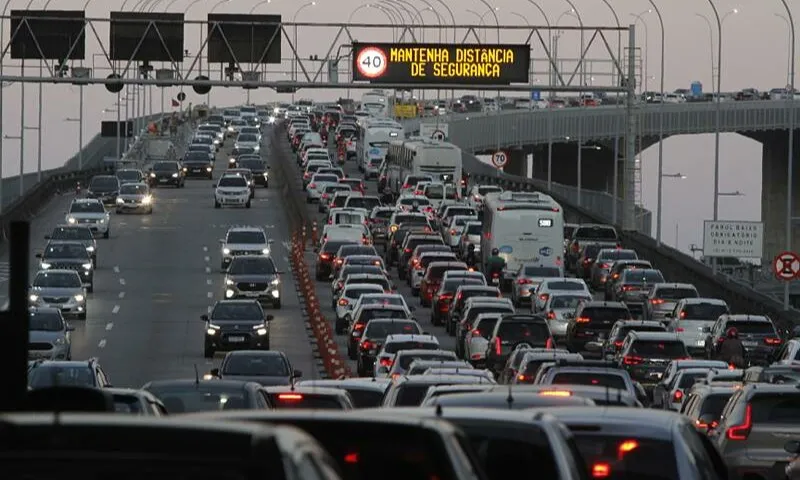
{"x": 374, "y": 136}
{"x": 440, "y": 160}
{"x": 376, "y": 103}
{"x": 526, "y": 227}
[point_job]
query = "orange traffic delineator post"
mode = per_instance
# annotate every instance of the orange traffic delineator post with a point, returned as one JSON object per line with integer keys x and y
{"x": 314, "y": 234}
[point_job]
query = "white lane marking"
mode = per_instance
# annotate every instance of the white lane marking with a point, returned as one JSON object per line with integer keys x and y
{"x": 208, "y": 269}
{"x": 209, "y": 309}
{"x": 115, "y": 310}
{"x": 207, "y": 259}
{"x": 109, "y": 326}
{"x": 122, "y": 281}
{"x": 121, "y": 295}
{"x": 102, "y": 343}
{"x": 205, "y": 249}
{"x": 209, "y": 282}
{"x": 286, "y": 259}
{"x": 210, "y": 294}
{"x": 287, "y": 246}
{"x": 116, "y": 268}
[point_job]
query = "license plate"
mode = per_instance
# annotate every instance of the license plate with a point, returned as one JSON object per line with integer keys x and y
{"x": 252, "y": 294}
{"x": 197, "y": 169}
{"x": 700, "y": 343}
{"x": 236, "y": 339}
{"x": 656, "y": 375}
{"x": 163, "y": 180}
{"x": 750, "y": 344}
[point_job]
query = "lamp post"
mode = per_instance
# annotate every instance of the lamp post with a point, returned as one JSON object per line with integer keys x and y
{"x": 790, "y": 150}
{"x": 639, "y": 18}
{"x": 660, "y": 124}
{"x": 718, "y": 115}
{"x": 710, "y": 42}
{"x": 788, "y": 54}
{"x": 297, "y": 50}
{"x": 79, "y": 120}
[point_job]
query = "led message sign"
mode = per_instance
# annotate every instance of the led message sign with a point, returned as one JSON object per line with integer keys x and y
{"x": 400, "y": 63}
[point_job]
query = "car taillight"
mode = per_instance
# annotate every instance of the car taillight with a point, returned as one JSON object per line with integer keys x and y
{"x": 339, "y": 261}
{"x": 524, "y": 281}
{"x": 632, "y": 360}
{"x": 417, "y": 192}
{"x": 551, "y": 315}
{"x": 359, "y": 326}
{"x": 628, "y": 288}
{"x": 679, "y": 329}
{"x": 324, "y": 256}
{"x": 618, "y": 343}
{"x": 605, "y": 266}
{"x": 387, "y": 362}
{"x": 677, "y": 396}
{"x": 521, "y": 378}
{"x": 576, "y": 248}
{"x": 340, "y": 284}
{"x": 312, "y": 185}
{"x": 306, "y": 175}
{"x": 773, "y": 341}
{"x": 495, "y": 275}
{"x": 583, "y": 320}
{"x": 742, "y": 431}
{"x": 343, "y": 302}
{"x": 367, "y": 345}
{"x": 656, "y": 301}
{"x": 407, "y": 250}
{"x": 549, "y": 345}
{"x": 290, "y": 397}
{"x": 324, "y": 195}
{"x": 476, "y": 333}
{"x": 405, "y": 185}
{"x": 601, "y": 470}
{"x": 587, "y": 261}
{"x": 445, "y": 297}
{"x": 498, "y": 348}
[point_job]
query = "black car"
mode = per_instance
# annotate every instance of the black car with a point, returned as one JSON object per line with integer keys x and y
{"x": 198, "y": 164}
{"x": 104, "y": 188}
{"x": 254, "y": 277}
{"x": 646, "y": 355}
{"x": 167, "y": 173}
{"x": 236, "y": 153}
{"x": 325, "y": 256}
{"x": 757, "y": 333}
{"x": 258, "y": 166}
{"x": 593, "y": 321}
{"x": 66, "y": 373}
{"x": 236, "y": 325}
{"x": 68, "y": 255}
{"x": 265, "y": 368}
{"x": 188, "y": 396}
{"x": 513, "y": 330}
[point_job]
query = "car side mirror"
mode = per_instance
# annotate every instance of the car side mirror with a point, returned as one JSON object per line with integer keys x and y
{"x": 297, "y": 374}
{"x": 214, "y": 372}
{"x": 270, "y": 318}
{"x": 792, "y": 446}
{"x": 38, "y": 255}
{"x": 271, "y": 240}
{"x": 204, "y": 317}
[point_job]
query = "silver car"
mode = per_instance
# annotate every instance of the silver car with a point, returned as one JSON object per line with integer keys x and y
{"x": 61, "y": 289}
{"x": 135, "y": 197}
{"x": 471, "y": 235}
{"x": 91, "y": 213}
{"x": 247, "y": 140}
{"x": 49, "y": 336}
{"x": 560, "y": 309}
{"x": 254, "y": 277}
{"x": 665, "y": 296}
{"x": 528, "y": 277}
{"x": 691, "y": 317}
{"x": 79, "y": 233}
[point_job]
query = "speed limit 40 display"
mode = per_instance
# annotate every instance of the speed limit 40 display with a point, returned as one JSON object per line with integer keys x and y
{"x": 371, "y": 62}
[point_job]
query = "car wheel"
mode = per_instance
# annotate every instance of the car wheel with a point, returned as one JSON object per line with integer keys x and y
{"x": 247, "y": 205}
{"x": 107, "y": 234}
{"x": 118, "y": 211}
{"x": 94, "y": 262}
{"x": 208, "y": 352}
{"x": 216, "y": 204}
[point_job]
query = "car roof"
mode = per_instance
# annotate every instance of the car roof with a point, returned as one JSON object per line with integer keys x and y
{"x": 181, "y": 382}
{"x": 235, "y": 301}
{"x": 675, "y": 285}
{"x": 358, "y": 383}
{"x": 87, "y": 200}
{"x": 641, "y": 422}
{"x": 603, "y": 303}
{"x": 439, "y": 380}
{"x": 411, "y": 337}
{"x": 311, "y": 390}
{"x": 639, "y": 323}
{"x": 502, "y": 397}
{"x": 246, "y": 229}
{"x": 655, "y": 336}
{"x": 700, "y": 300}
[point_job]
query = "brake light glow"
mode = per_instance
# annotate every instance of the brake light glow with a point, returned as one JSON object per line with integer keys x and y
{"x": 543, "y": 297}
{"x": 601, "y": 470}
{"x": 741, "y": 432}
{"x": 324, "y": 256}
{"x": 452, "y": 231}
{"x": 583, "y": 320}
{"x": 549, "y": 345}
{"x": 629, "y": 288}
{"x": 521, "y": 378}
{"x": 290, "y": 397}
{"x": 324, "y": 195}
{"x": 476, "y": 333}
{"x": 626, "y": 447}
{"x": 367, "y": 345}
{"x": 498, "y": 349}
{"x": 657, "y": 301}
{"x": 312, "y": 185}
{"x": 677, "y": 396}
{"x": 605, "y": 266}
{"x": 351, "y": 458}
{"x": 773, "y": 341}
{"x": 551, "y": 315}
{"x": 343, "y": 302}
{"x": 555, "y": 393}
{"x": 632, "y": 360}
{"x": 524, "y": 281}
{"x": 618, "y": 343}
{"x": 387, "y": 362}
{"x": 405, "y": 185}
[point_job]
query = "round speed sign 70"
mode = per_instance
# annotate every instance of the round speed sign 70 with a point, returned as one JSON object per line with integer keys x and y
{"x": 372, "y": 62}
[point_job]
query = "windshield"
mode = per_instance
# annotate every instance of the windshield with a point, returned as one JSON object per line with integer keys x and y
{"x": 325, "y": 178}
{"x": 165, "y": 167}
{"x": 395, "y": 347}
{"x": 689, "y": 379}
{"x": 714, "y": 404}
{"x": 65, "y": 250}
{"x": 250, "y": 236}
{"x": 57, "y": 280}
{"x": 230, "y": 113}
{"x": 367, "y": 203}
{"x": 542, "y": 272}
{"x": 232, "y": 181}
{"x": 252, "y": 266}
{"x": 71, "y": 233}
{"x": 373, "y": 313}
{"x": 383, "y": 300}
{"x": 659, "y": 349}
{"x": 86, "y": 207}
{"x": 675, "y": 293}
{"x": 46, "y": 322}
{"x": 596, "y": 233}
{"x": 382, "y": 329}
{"x": 196, "y": 156}
{"x": 411, "y": 219}
{"x": 289, "y": 400}
{"x": 649, "y": 460}
{"x": 643, "y": 276}
{"x": 253, "y": 165}
{"x": 434, "y": 191}
{"x": 200, "y": 398}
{"x": 752, "y": 328}
{"x": 60, "y": 375}
{"x": 703, "y": 311}
{"x": 461, "y": 221}
{"x": 256, "y": 365}
{"x": 599, "y": 379}
{"x": 133, "y": 189}
{"x": 104, "y": 184}
{"x": 237, "y": 311}
{"x": 513, "y": 331}
{"x": 356, "y": 293}
{"x": 246, "y": 138}
{"x": 567, "y": 301}
{"x": 619, "y": 255}
{"x": 473, "y": 229}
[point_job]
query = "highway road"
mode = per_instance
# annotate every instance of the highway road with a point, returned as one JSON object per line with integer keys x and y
{"x": 422, "y": 315}
{"x": 157, "y": 274}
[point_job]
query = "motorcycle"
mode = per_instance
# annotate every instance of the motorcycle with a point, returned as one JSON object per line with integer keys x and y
{"x": 495, "y": 279}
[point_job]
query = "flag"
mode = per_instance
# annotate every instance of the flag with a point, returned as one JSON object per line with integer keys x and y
{"x": 175, "y": 103}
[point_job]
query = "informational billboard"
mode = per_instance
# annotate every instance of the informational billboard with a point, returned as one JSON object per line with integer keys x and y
{"x": 244, "y": 38}
{"x": 146, "y": 36}
{"x": 451, "y": 64}
{"x": 48, "y": 34}
{"x": 722, "y": 238}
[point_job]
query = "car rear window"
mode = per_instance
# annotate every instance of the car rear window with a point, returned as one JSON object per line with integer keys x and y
{"x": 365, "y": 398}
{"x": 395, "y": 347}
{"x": 620, "y": 255}
{"x": 776, "y": 408}
{"x": 363, "y": 202}
{"x": 636, "y": 275}
{"x": 293, "y": 400}
{"x": 535, "y": 332}
{"x": 689, "y": 379}
{"x": 485, "y": 327}
{"x": 572, "y": 286}
{"x": 676, "y": 293}
{"x": 628, "y": 456}
{"x": 714, "y": 404}
{"x": 407, "y": 360}
{"x": 659, "y": 349}
{"x": 490, "y": 308}
{"x": 502, "y": 447}
{"x": 381, "y": 330}
{"x": 596, "y": 233}
{"x": 782, "y": 375}
{"x": 704, "y": 311}
{"x": 600, "y": 379}
{"x": 411, "y": 219}
{"x": 371, "y": 314}
{"x": 623, "y": 332}
{"x": 602, "y": 314}
{"x": 541, "y": 272}
{"x": 752, "y": 328}
{"x": 437, "y": 272}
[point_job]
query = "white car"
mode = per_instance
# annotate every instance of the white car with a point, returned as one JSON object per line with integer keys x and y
{"x": 352, "y": 233}
{"x": 401, "y": 341}
{"x": 317, "y": 185}
{"x": 381, "y": 299}
{"x": 470, "y": 235}
{"x": 349, "y": 216}
{"x": 549, "y": 286}
{"x": 560, "y": 309}
{"x": 232, "y": 191}
{"x": 91, "y": 213}
{"x": 452, "y": 230}
{"x": 241, "y": 241}
{"x": 247, "y": 140}
{"x": 477, "y": 192}
{"x": 477, "y": 340}
{"x": 347, "y": 300}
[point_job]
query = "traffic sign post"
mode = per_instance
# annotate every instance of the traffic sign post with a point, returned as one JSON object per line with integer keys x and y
{"x": 786, "y": 266}
{"x": 438, "y": 135}
{"x": 499, "y": 159}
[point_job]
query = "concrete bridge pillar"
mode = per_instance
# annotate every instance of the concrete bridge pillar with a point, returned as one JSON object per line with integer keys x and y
{"x": 774, "y": 191}
{"x": 517, "y": 162}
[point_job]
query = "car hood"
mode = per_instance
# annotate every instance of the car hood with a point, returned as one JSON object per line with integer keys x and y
{"x": 264, "y": 380}
{"x": 245, "y": 189}
{"x": 88, "y": 215}
{"x": 132, "y": 196}
{"x": 65, "y": 260}
{"x": 56, "y": 292}
{"x": 101, "y": 191}
{"x": 164, "y": 173}
{"x": 251, "y": 278}
{"x": 246, "y": 246}
{"x": 197, "y": 161}
{"x": 40, "y": 336}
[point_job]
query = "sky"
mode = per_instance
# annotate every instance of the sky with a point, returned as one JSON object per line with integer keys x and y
{"x": 755, "y": 52}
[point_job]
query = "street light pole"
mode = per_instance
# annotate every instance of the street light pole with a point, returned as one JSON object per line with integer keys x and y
{"x": 660, "y": 125}
{"x": 790, "y": 153}
{"x": 710, "y": 43}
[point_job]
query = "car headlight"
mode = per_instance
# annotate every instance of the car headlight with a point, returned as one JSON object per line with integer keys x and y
{"x": 226, "y": 251}
{"x": 71, "y": 220}
{"x": 175, "y": 175}
{"x": 230, "y": 129}
{"x": 260, "y": 329}
{"x": 208, "y": 169}
{"x": 33, "y": 298}
{"x": 266, "y": 175}
{"x": 231, "y": 160}
{"x": 211, "y": 331}
{"x": 79, "y": 298}
{"x": 276, "y": 281}
{"x": 45, "y": 265}
{"x": 119, "y": 200}
{"x": 185, "y": 169}
{"x": 265, "y": 251}
{"x": 271, "y": 119}
{"x": 59, "y": 341}
{"x": 147, "y": 199}
{"x": 276, "y": 111}
{"x": 152, "y": 175}
{"x": 90, "y": 249}
{"x": 229, "y": 293}
{"x": 87, "y": 266}
{"x": 229, "y": 282}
